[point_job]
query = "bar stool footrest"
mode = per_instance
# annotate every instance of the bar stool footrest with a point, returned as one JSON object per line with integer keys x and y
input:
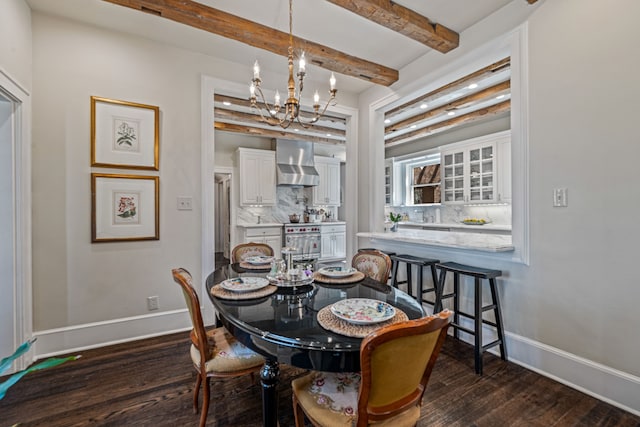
{"x": 492, "y": 344}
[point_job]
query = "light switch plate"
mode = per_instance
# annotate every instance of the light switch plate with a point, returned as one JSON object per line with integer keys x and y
{"x": 185, "y": 203}
{"x": 560, "y": 197}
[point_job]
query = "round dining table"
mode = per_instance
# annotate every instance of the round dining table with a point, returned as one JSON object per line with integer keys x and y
{"x": 284, "y": 328}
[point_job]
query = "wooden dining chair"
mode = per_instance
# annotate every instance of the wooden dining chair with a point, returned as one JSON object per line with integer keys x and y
{"x": 215, "y": 353}
{"x": 373, "y": 263}
{"x": 396, "y": 362}
{"x": 245, "y": 250}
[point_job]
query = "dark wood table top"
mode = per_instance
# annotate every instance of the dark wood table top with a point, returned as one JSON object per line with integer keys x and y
{"x": 284, "y": 327}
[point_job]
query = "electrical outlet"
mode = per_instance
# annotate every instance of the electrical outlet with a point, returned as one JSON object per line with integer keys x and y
{"x": 560, "y": 197}
{"x": 185, "y": 203}
{"x": 153, "y": 303}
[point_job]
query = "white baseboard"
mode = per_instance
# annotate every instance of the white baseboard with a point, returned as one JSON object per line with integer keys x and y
{"x": 602, "y": 382}
{"x": 99, "y": 334}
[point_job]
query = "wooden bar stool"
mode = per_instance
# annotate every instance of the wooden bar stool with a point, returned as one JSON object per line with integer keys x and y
{"x": 420, "y": 263}
{"x": 478, "y": 274}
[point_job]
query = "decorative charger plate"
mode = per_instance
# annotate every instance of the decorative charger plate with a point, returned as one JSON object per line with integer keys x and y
{"x": 337, "y": 271}
{"x": 244, "y": 284}
{"x": 363, "y": 311}
{"x": 259, "y": 260}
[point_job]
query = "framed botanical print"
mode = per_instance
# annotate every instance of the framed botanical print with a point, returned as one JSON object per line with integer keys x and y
{"x": 124, "y": 207}
{"x": 124, "y": 134}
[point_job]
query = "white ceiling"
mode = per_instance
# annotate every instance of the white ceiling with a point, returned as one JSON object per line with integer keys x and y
{"x": 318, "y": 21}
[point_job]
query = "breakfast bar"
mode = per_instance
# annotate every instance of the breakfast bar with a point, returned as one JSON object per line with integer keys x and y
{"x": 445, "y": 239}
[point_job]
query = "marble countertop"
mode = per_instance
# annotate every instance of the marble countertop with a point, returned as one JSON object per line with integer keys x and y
{"x": 455, "y": 225}
{"x": 449, "y": 239}
{"x": 261, "y": 225}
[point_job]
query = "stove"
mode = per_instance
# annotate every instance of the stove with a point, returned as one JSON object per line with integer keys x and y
{"x": 305, "y": 238}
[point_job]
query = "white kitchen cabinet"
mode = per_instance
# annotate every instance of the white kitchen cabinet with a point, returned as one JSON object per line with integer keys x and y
{"x": 271, "y": 235}
{"x": 504, "y": 169}
{"x": 333, "y": 242}
{"x": 327, "y": 192}
{"x": 257, "y": 177}
{"x": 471, "y": 171}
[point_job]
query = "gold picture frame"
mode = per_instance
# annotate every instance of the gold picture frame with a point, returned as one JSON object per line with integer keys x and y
{"x": 124, "y": 134}
{"x": 124, "y": 207}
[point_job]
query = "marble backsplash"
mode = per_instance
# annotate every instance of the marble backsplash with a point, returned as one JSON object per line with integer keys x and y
{"x": 290, "y": 200}
{"x": 452, "y": 214}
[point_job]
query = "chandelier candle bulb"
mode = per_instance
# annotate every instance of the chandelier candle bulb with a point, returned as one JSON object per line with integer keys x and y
{"x": 277, "y": 100}
{"x": 316, "y": 98}
{"x": 256, "y": 70}
{"x": 302, "y": 64}
{"x": 332, "y": 81}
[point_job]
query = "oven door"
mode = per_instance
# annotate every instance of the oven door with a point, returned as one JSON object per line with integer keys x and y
{"x": 307, "y": 245}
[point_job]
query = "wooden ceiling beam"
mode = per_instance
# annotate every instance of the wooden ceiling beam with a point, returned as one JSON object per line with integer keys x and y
{"x": 224, "y": 24}
{"x": 479, "y": 96}
{"x": 222, "y": 114}
{"x": 270, "y": 133}
{"x": 450, "y": 88}
{"x": 455, "y": 121}
{"x": 404, "y": 21}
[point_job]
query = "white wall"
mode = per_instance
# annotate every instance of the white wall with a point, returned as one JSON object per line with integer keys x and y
{"x": 572, "y": 312}
{"x": 77, "y": 282}
{"x": 15, "y": 41}
{"x": 583, "y": 131}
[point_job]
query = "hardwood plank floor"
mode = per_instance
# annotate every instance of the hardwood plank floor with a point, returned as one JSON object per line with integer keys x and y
{"x": 150, "y": 383}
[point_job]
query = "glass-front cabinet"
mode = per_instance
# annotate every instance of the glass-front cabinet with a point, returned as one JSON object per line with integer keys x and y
{"x": 471, "y": 172}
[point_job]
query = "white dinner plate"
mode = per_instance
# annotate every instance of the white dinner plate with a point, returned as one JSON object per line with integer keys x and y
{"x": 363, "y": 311}
{"x": 259, "y": 260}
{"x": 244, "y": 284}
{"x": 337, "y": 271}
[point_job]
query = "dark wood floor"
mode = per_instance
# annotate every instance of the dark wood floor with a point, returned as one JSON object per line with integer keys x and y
{"x": 150, "y": 383}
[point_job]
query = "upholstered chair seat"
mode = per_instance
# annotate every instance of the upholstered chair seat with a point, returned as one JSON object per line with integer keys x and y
{"x": 396, "y": 361}
{"x": 223, "y": 356}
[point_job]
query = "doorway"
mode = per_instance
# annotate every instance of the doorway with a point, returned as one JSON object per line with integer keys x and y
{"x": 222, "y": 216}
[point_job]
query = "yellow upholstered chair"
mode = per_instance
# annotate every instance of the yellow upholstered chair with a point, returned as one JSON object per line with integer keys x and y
{"x": 372, "y": 263}
{"x": 396, "y": 362}
{"x": 215, "y": 353}
{"x": 246, "y": 250}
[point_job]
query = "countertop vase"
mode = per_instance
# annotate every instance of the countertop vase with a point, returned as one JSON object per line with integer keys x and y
{"x": 394, "y": 226}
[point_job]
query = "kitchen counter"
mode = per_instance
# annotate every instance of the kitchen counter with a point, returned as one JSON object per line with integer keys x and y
{"x": 450, "y": 239}
{"x": 261, "y": 225}
{"x": 471, "y": 228}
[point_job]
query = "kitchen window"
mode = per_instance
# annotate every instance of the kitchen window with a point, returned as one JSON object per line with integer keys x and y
{"x": 425, "y": 184}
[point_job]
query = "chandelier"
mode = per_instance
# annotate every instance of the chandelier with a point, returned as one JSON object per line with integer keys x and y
{"x": 284, "y": 115}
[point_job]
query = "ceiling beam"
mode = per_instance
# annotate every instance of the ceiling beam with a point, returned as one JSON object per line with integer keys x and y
{"x": 222, "y": 114}
{"x": 269, "y": 133}
{"x": 495, "y": 90}
{"x": 404, "y": 21}
{"x": 452, "y": 87}
{"x": 224, "y": 24}
{"x": 448, "y": 124}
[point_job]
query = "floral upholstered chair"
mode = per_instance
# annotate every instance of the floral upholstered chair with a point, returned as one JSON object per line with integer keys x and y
{"x": 214, "y": 353}
{"x": 396, "y": 362}
{"x": 373, "y": 263}
{"x": 246, "y": 250}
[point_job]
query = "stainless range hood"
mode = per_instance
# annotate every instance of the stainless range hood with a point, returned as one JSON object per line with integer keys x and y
{"x": 295, "y": 164}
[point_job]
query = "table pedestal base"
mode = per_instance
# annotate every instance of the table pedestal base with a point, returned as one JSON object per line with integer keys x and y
{"x": 269, "y": 380}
